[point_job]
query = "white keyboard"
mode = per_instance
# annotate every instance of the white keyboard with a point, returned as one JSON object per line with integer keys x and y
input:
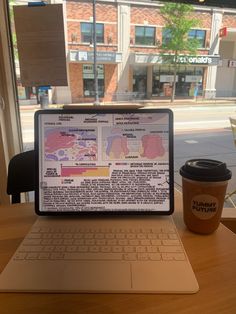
{"x": 101, "y": 244}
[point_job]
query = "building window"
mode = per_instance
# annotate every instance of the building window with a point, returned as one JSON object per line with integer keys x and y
{"x": 188, "y": 78}
{"x": 88, "y": 80}
{"x": 140, "y": 81}
{"x": 145, "y": 35}
{"x": 87, "y": 32}
{"x": 166, "y": 36}
{"x": 200, "y": 35}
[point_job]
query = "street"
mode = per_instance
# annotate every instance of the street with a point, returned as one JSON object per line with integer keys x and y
{"x": 202, "y": 117}
{"x": 187, "y": 119}
{"x": 199, "y": 132}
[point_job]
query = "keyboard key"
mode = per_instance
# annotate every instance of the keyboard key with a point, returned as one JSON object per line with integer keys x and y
{"x": 78, "y": 236}
{"x": 67, "y": 236}
{"x": 145, "y": 242}
{"x": 47, "y": 236}
{"x": 99, "y": 236}
{"x": 117, "y": 249}
{"x": 60, "y": 249}
{"x": 140, "y": 249}
{"x": 34, "y": 236}
{"x": 179, "y": 257}
{"x": 152, "y": 249}
{"x": 32, "y": 256}
{"x": 93, "y": 249}
{"x": 44, "y": 256}
{"x": 57, "y": 236}
{"x": 89, "y": 236}
{"x": 32, "y": 241}
{"x": 100, "y": 242}
{"x": 68, "y": 242}
{"x": 90, "y": 242}
{"x": 155, "y": 256}
{"x": 173, "y": 256}
{"x": 79, "y": 242}
{"x": 112, "y": 242}
{"x": 30, "y": 249}
{"x": 129, "y": 249}
{"x": 130, "y": 257}
{"x": 134, "y": 242}
{"x": 131, "y": 236}
{"x": 57, "y": 241}
{"x": 167, "y": 257}
{"x": 46, "y": 241}
{"x": 93, "y": 256}
{"x": 71, "y": 248}
{"x": 173, "y": 236}
{"x": 57, "y": 256}
{"x": 170, "y": 249}
{"x": 48, "y": 248}
{"x": 156, "y": 242}
{"x": 141, "y": 236}
{"x": 152, "y": 236}
{"x": 170, "y": 242}
{"x": 120, "y": 236}
{"x": 19, "y": 256}
{"x": 105, "y": 249}
{"x": 124, "y": 242}
{"x": 142, "y": 257}
{"x": 163, "y": 236}
{"x": 168, "y": 230}
{"x": 109, "y": 236}
{"x": 82, "y": 249}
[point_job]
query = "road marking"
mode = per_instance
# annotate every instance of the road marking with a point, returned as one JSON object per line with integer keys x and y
{"x": 191, "y": 142}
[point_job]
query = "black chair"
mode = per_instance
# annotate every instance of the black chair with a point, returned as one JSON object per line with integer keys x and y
{"x": 21, "y": 175}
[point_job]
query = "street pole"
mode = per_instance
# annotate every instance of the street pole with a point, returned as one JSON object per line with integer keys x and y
{"x": 96, "y": 102}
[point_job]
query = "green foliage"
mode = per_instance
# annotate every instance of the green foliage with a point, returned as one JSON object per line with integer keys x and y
{"x": 14, "y": 41}
{"x": 179, "y": 21}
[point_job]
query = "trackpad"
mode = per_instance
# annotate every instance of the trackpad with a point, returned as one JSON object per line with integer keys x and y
{"x": 96, "y": 276}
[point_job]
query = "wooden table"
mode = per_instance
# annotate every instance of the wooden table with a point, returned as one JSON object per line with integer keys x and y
{"x": 213, "y": 258}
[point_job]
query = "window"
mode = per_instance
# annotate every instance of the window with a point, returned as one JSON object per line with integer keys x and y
{"x": 87, "y": 32}
{"x": 200, "y": 35}
{"x": 145, "y": 35}
{"x": 166, "y": 36}
{"x": 140, "y": 81}
{"x": 88, "y": 80}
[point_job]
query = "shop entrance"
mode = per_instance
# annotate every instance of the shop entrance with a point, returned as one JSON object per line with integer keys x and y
{"x": 182, "y": 87}
{"x": 140, "y": 82}
{"x": 188, "y": 81}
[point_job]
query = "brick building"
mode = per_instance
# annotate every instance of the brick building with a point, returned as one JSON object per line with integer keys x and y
{"x": 129, "y": 63}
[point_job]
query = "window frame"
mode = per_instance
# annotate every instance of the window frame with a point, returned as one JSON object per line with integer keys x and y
{"x": 166, "y": 35}
{"x": 202, "y": 40}
{"x": 99, "y": 38}
{"x": 101, "y": 81}
{"x": 10, "y": 132}
{"x": 144, "y": 36}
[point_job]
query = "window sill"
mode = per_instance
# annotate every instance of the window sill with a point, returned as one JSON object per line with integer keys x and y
{"x": 144, "y": 46}
{"x": 89, "y": 45}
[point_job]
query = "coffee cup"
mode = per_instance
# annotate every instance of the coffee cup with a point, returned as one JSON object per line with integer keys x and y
{"x": 204, "y": 183}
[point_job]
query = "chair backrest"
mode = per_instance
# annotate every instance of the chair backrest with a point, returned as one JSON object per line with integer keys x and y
{"x": 21, "y": 175}
{"x": 233, "y": 128}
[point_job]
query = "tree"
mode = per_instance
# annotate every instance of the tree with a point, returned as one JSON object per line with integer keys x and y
{"x": 179, "y": 21}
{"x": 13, "y": 33}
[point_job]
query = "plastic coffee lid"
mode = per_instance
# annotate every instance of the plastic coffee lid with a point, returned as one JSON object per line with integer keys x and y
{"x": 205, "y": 170}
